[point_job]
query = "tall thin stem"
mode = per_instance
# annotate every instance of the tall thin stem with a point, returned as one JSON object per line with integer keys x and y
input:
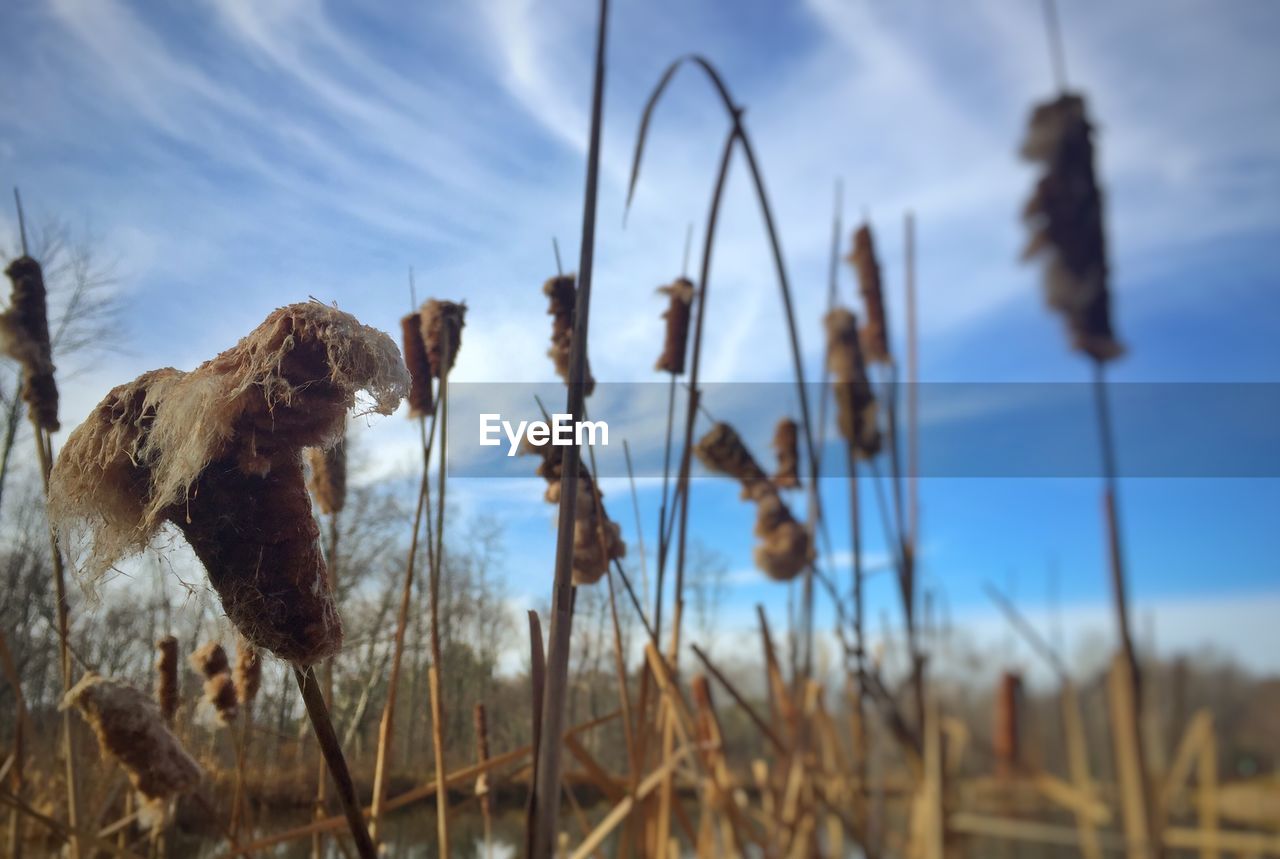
{"x": 546, "y": 795}
{"x": 313, "y": 698}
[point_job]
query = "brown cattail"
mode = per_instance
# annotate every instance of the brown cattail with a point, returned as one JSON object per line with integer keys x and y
{"x": 442, "y": 323}
{"x": 167, "y": 678}
{"x": 785, "y": 444}
{"x": 723, "y": 450}
{"x": 209, "y": 660}
{"x": 415, "y": 358}
{"x": 680, "y": 292}
{"x": 248, "y": 675}
{"x": 1006, "y": 734}
{"x": 855, "y": 401}
{"x": 217, "y": 452}
{"x": 563, "y": 295}
{"x": 875, "y": 332}
{"x": 130, "y": 728}
{"x": 1065, "y": 218}
{"x": 220, "y": 692}
{"x": 785, "y": 547}
{"x": 329, "y": 476}
{"x": 597, "y": 540}
{"x": 24, "y": 337}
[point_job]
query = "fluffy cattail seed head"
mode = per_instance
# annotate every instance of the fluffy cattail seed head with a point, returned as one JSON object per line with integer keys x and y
{"x": 167, "y": 678}
{"x": 415, "y": 358}
{"x": 680, "y": 293}
{"x": 329, "y": 476}
{"x": 220, "y": 692}
{"x": 217, "y": 452}
{"x": 597, "y": 540}
{"x": 785, "y": 445}
{"x": 562, "y": 295}
{"x": 210, "y": 660}
{"x": 248, "y": 674}
{"x": 24, "y": 337}
{"x": 856, "y": 413}
{"x": 723, "y": 450}
{"x": 442, "y": 323}
{"x": 1064, "y": 215}
{"x": 784, "y": 548}
{"x": 129, "y": 727}
{"x": 875, "y": 332}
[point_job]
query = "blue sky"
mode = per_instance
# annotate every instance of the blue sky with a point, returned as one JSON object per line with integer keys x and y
{"x": 236, "y": 156}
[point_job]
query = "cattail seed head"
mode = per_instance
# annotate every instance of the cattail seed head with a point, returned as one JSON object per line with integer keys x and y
{"x": 597, "y": 540}
{"x": 1064, "y": 215}
{"x": 562, "y": 294}
{"x": 856, "y": 412}
{"x": 217, "y": 452}
{"x": 723, "y": 450}
{"x": 24, "y": 337}
{"x": 415, "y": 358}
{"x": 209, "y": 660}
{"x": 129, "y": 727}
{"x": 167, "y": 678}
{"x": 329, "y": 476}
{"x": 785, "y": 548}
{"x": 785, "y": 444}
{"x": 875, "y": 332}
{"x": 442, "y": 323}
{"x": 248, "y": 675}
{"x": 1006, "y": 739}
{"x": 680, "y": 293}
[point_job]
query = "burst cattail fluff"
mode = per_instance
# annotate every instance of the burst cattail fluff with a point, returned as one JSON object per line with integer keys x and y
{"x": 597, "y": 540}
{"x": 1065, "y": 218}
{"x": 785, "y": 547}
{"x": 209, "y": 660}
{"x": 129, "y": 727}
{"x": 167, "y": 678}
{"x": 415, "y": 358}
{"x": 442, "y": 323}
{"x": 785, "y": 444}
{"x": 875, "y": 332}
{"x": 24, "y": 337}
{"x": 855, "y": 401}
{"x": 680, "y": 293}
{"x": 217, "y": 452}
{"x": 248, "y": 674}
{"x": 329, "y": 476}
{"x": 562, "y": 294}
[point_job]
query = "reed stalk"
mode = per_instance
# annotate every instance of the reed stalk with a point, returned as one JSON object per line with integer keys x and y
{"x": 546, "y": 794}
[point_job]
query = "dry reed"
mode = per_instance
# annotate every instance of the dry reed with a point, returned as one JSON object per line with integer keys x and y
{"x": 167, "y": 678}
{"x": 875, "y": 332}
{"x": 562, "y": 297}
{"x": 130, "y": 728}
{"x": 24, "y": 337}
{"x": 217, "y": 453}
{"x": 785, "y": 547}
{"x": 855, "y": 401}
{"x": 676, "y": 316}
{"x": 785, "y": 446}
{"x": 1064, "y": 215}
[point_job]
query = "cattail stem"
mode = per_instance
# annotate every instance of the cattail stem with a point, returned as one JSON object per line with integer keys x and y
{"x": 437, "y": 666}
{"x": 386, "y": 726}
{"x": 546, "y": 796}
{"x": 332, "y": 751}
{"x": 45, "y": 459}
